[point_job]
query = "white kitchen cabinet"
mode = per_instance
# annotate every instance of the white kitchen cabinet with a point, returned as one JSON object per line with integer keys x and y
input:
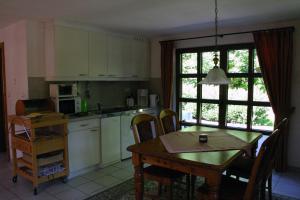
{"x": 110, "y": 140}
{"x": 97, "y": 54}
{"x": 119, "y": 56}
{"x": 83, "y": 144}
{"x": 74, "y": 54}
{"x": 127, "y": 137}
{"x": 71, "y": 52}
{"x": 140, "y": 54}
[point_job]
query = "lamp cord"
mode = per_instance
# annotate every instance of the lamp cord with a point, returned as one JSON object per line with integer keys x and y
{"x": 216, "y": 59}
{"x": 216, "y": 24}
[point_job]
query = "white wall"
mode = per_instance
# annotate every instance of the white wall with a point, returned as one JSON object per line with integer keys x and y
{"x": 294, "y": 138}
{"x": 36, "y": 49}
{"x": 15, "y": 52}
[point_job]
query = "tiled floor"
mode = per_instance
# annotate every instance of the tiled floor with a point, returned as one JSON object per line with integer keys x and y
{"x": 96, "y": 181}
{"x": 76, "y": 188}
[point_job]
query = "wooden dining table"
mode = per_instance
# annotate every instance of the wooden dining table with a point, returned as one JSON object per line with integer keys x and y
{"x": 209, "y": 165}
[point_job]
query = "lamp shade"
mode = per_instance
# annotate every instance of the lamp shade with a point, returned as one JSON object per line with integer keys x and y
{"x": 215, "y": 76}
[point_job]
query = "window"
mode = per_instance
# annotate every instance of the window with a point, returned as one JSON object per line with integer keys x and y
{"x": 243, "y": 104}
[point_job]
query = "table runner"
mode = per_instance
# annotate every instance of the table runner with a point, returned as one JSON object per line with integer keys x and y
{"x": 179, "y": 142}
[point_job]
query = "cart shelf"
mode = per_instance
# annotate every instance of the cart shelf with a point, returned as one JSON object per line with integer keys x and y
{"x": 43, "y": 142}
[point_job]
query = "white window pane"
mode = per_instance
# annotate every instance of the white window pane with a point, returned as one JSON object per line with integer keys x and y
{"x": 259, "y": 90}
{"x": 210, "y": 114}
{"x": 189, "y": 88}
{"x": 238, "y": 61}
{"x": 189, "y": 63}
{"x": 238, "y": 89}
{"x": 188, "y": 111}
{"x": 263, "y": 118}
{"x": 210, "y": 91}
{"x": 236, "y": 116}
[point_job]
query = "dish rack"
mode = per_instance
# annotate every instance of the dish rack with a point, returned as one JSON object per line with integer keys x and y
{"x": 42, "y": 139}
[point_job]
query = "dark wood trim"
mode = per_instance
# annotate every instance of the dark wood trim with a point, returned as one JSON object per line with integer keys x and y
{"x": 4, "y": 105}
{"x": 226, "y": 34}
{"x": 223, "y": 101}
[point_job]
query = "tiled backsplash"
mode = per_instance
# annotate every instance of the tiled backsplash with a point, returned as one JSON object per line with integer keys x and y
{"x": 107, "y": 93}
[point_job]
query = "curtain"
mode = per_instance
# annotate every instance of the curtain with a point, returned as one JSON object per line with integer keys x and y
{"x": 167, "y": 71}
{"x": 274, "y": 51}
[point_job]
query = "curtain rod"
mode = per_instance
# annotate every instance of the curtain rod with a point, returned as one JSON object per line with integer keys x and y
{"x": 225, "y": 34}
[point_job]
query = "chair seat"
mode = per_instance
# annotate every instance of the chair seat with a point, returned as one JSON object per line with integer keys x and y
{"x": 160, "y": 174}
{"x": 241, "y": 167}
{"x": 230, "y": 189}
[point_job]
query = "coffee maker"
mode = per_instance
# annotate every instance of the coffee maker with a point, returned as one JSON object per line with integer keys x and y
{"x": 142, "y": 97}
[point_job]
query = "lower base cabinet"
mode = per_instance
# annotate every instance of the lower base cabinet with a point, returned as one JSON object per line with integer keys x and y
{"x": 110, "y": 140}
{"x": 84, "y": 149}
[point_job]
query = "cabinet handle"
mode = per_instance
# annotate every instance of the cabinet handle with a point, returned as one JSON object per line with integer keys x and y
{"x": 82, "y": 74}
{"x": 94, "y": 130}
{"x": 111, "y": 75}
{"x": 83, "y": 125}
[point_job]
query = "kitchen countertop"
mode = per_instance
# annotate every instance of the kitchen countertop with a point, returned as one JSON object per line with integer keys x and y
{"x": 110, "y": 112}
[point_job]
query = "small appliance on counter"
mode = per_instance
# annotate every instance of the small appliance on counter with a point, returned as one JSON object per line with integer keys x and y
{"x": 65, "y": 98}
{"x": 130, "y": 101}
{"x": 154, "y": 99}
{"x": 142, "y": 97}
{"x": 63, "y": 90}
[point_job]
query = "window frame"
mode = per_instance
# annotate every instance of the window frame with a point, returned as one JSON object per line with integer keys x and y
{"x": 223, "y": 101}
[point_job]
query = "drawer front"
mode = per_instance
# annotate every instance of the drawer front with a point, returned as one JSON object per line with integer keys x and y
{"x": 50, "y": 145}
{"x": 84, "y": 124}
{"x": 21, "y": 145}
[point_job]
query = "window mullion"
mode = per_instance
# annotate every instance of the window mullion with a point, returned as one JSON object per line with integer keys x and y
{"x": 223, "y": 90}
{"x": 199, "y": 88}
{"x": 250, "y": 89}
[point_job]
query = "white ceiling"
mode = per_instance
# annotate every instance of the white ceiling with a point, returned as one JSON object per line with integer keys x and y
{"x": 150, "y": 17}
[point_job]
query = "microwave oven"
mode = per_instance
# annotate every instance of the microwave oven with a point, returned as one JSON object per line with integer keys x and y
{"x": 63, "y": 90}
{"x": 67, "y": 105}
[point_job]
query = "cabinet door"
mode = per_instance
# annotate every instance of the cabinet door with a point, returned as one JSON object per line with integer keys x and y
{"x": 97, "y": 54}
{"x": 127, "y": 137}
{"x": 110, "y": 140}
{"x": 119, "y": 56}
{"x": 71, "y": 52}
{"x": 140, "y": 58}
{"x": 84, "y": 149}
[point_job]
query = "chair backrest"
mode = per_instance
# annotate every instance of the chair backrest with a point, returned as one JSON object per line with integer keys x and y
{"x": 144, "y": 127}
{"x": 169, "y": 121}
{"x": 263, "y": 164}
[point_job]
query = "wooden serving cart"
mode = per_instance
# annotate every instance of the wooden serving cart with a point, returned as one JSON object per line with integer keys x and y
{"x": 42, "y": 140}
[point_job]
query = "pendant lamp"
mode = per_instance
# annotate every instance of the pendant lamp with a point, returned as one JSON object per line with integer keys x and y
{"x": 216, "y": 76}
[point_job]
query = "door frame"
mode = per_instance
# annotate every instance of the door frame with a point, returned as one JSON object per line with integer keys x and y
{"x": 4, "y": 100}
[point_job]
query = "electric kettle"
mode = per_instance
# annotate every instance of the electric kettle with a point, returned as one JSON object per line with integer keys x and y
{"x": 154, "y": 99}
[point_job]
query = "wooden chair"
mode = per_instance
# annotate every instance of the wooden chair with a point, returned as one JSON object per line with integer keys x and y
{"x": 243, "y": 165}
{"x": 146, "y": 127}
{"x": 169, "y": 121}
{"x": 233, "y": 189}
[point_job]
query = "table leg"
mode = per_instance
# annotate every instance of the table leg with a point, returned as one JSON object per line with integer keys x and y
{"x": 138, "y": 177}
{"x": 213, "y": 184}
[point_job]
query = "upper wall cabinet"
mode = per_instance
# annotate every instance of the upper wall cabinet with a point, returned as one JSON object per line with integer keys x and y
{"x": 140, "y": 54}
{"x": 97, "y": 54}
{"x": 71, "y": 52}
{"x": 79, "y": 55}
{"x": 119, "y": 56}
